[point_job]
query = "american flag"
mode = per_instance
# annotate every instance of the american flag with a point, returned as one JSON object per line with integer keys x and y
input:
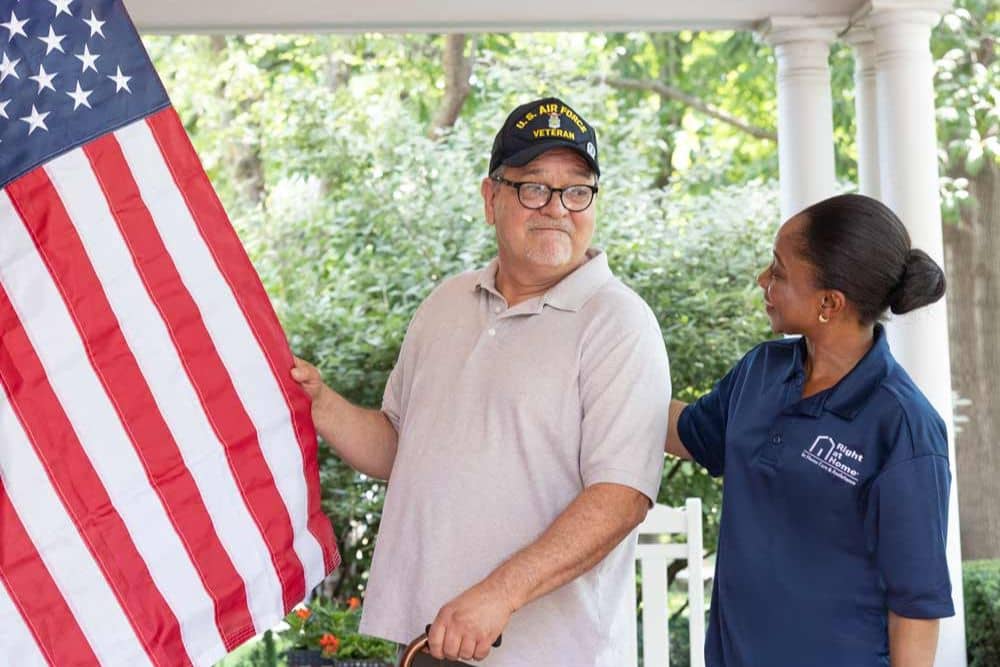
{"x": 159, "y": 491}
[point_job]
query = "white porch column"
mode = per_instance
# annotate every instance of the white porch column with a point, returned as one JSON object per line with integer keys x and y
{"x": 866, "y": 109}
{"x": 805, "y": 108}
{"x": 908, "y": 173}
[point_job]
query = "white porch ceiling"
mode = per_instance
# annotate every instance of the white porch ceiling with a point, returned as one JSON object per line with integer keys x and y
{"x": 229, "y": 16}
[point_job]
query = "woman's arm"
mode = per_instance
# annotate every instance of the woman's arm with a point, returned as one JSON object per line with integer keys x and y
{"x": 912, "y": 641}
{"x": 674, "y": 445}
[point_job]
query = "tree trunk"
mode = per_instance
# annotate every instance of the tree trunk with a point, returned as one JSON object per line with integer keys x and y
{"x": 245, "y": 163}
{"x": 671, "y": 55}
{"x": 457, "y": 70}
{"x": 972, "y": 252}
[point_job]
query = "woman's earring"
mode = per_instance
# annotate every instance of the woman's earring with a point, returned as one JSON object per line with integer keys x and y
{"x": 823, "y": 318}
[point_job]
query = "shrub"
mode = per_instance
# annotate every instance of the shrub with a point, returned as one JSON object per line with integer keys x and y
{"x": 982, "y": 611}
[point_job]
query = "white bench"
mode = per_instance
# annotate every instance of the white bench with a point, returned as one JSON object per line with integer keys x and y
{"x": 653, "y": 560}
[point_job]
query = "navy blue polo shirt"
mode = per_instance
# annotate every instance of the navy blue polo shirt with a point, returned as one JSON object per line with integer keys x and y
{"x": 834, "y": 509}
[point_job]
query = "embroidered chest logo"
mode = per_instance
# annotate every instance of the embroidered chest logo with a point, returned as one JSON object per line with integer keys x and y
{"x": 835, "y": 458}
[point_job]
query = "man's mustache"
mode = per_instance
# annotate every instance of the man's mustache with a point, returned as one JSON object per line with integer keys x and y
{"x": 551, "y": 224}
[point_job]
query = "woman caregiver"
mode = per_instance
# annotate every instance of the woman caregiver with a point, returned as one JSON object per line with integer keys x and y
{"x": 835, "y": 466}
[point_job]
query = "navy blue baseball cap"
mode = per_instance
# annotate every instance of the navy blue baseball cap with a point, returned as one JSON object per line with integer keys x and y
{"x": 539, "y": 126}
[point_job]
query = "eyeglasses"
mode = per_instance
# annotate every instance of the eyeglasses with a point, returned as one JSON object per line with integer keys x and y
{"x": 574, "y": 198}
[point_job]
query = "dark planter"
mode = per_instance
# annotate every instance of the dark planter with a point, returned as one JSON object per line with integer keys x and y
{"x": 314, "y": 658}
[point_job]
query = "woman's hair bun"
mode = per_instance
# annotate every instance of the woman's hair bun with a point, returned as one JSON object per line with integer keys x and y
{"x": 922, "y": 283}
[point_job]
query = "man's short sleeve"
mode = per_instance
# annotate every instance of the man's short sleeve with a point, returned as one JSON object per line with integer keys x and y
{"x": 394, "y": 392}
{"x": 907, "y": 522}
{"x": 702, "y": 424}
{"x": 391, "y": 395}
{"x": 625, "y": 395}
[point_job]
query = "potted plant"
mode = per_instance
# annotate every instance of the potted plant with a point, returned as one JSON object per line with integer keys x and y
{"x": 324, "y": 634}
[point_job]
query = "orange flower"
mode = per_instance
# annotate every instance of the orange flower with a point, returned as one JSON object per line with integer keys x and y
{"x": 330, "y": 644}
{"x": 353, "y": 603}
{"x": 303, "y": 613}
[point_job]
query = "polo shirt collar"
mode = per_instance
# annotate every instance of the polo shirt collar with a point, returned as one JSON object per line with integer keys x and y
{"x": 570, "y": 293}
{"x": 487, "y": 279}
{"x": 846, "y": 398}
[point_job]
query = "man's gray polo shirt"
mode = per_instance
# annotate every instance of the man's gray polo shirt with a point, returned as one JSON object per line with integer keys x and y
{"x": 504, "y": 417}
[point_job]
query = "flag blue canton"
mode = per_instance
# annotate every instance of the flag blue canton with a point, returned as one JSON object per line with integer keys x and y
{"x": 70, "y": 71}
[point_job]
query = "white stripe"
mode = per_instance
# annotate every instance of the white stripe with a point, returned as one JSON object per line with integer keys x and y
{"x": 56, "y": 341}
{"x": 60, "y": 546}
{"x": 251, "y": 374}
{"x": 16, "y": 640}
{"x": 149, "y": 339}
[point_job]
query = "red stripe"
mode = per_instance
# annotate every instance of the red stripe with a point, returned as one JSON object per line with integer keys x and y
{"x": 202, "y": 362}
{"x": 59, "y": 245}
{"x": 36, "y": 595}
{"x": 235, "y": 266}
{"x": 82, "y": 493}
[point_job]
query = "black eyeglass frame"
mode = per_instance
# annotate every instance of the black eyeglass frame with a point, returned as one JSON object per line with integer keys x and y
{"x": 517, "y": 187}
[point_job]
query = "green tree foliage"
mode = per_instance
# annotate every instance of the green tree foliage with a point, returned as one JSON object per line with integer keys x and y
{"x": 967, "y": 87}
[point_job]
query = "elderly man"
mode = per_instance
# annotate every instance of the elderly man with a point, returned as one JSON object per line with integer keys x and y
{"x": 521, "y": 430}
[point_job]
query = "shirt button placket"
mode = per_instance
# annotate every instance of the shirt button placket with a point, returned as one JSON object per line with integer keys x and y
{"x": 492, "y": 331}
{"x": 771, "y": 453}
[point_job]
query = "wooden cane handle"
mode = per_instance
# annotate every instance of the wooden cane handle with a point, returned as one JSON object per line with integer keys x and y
{"x": 422, "y": 642}
{"x": 411, "y": 651}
